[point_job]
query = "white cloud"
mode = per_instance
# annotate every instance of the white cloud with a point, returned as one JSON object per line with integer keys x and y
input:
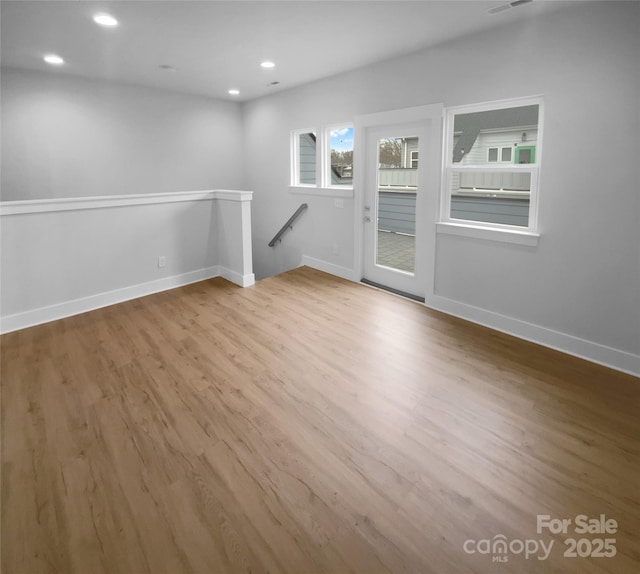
{"x": 340, "y": 132}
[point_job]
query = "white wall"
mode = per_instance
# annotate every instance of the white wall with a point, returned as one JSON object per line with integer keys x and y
{"x": 62, "y": 257}
{"x": 68, "y": 137}
{"x": 579, "y": 289}
{"x": 64, "y": 137}
{"x": 581, "y": 284}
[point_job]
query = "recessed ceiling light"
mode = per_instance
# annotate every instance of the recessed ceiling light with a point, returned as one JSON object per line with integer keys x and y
{"x": 234, "y": 92}
{"x": 268, "y": 65}
{"x": 53, "y": 59}
{"x": 105, "y": 20}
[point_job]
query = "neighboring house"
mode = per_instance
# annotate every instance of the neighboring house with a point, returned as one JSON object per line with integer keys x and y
{"x": 508, "y": 137}
{"x": 503, "y": 147}
{"x": 340, "y": 174}
{"x": 397, "y": 187}
{"x": 308, "y": 158}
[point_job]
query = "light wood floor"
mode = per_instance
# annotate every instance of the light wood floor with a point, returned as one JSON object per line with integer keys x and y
{"x": 303, "y": 425}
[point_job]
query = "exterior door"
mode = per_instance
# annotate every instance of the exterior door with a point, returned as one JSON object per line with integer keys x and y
{"x": 394, "y": 207}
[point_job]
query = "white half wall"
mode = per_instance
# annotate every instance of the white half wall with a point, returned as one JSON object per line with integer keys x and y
{"x": 68, "y": 137}
{"x": 581, "y": 283}
{"x": 62, "y": 257}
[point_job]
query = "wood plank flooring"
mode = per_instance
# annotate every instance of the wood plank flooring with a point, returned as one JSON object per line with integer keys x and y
{"x": 305, "y": 425}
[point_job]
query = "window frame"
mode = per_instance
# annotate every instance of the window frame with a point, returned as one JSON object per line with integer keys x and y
{"x": 295, "y": 158}
{"x": 498, "y": 231}
{"x": 326, "y": 159}
{"x": 530, "y": 148}
{"x": 500, "y": 154}
{"x": 323, "y": 184}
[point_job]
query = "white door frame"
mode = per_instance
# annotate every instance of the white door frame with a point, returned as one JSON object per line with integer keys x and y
{"x": 429, "y": 116}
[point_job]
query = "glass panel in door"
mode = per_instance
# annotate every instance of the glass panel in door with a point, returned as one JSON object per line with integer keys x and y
{"x": 396, "y": 203}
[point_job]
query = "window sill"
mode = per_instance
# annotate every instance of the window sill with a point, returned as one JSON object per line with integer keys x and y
{"x": 322, "y": 191}
{"x": 527, "y": 238}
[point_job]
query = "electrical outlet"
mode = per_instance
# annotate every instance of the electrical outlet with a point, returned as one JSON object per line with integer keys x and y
{"x": 338, "y": 203}
{"x": 162, "y": 261}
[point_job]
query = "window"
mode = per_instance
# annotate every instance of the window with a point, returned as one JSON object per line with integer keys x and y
{"x": 341, "y": 156}
{"x": 414, "y": 160}
{"x": 322, "y": 158}
{"x": 526, "y": 154}
{"x": 505, "y": 155}
{"x": 303, "y": 158}
{"x": 491, "y": 166}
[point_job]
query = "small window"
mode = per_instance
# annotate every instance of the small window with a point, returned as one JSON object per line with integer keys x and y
{"x": 341, "y": 154}
{"x": 491, "y": 173}
{"x": 526, "y": 154}
{"x": 504, "y": 153}
{"x": 304, "y": 154}
{"x": 414, "y": 160}
{"x": 322, "y": 158}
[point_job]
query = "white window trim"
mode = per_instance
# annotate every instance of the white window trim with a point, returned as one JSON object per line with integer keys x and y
{"x": 326, "y": 159}
{"x": 514, "y": 235}
{"x": 342, "y": 191}
{"x": 294, "y": 161}
{"x": 478, "y": 229}
{"x": 323, "y": 184}
{"x": 499, "y": 156}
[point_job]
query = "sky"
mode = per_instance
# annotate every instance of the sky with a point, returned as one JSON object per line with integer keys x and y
{"x": 342, "y": 139}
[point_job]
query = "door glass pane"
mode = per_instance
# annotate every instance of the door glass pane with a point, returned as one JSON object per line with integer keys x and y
{"x": 396, "y": 203}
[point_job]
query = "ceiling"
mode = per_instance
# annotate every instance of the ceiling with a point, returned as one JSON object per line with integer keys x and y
{"x": 218, "y": 45}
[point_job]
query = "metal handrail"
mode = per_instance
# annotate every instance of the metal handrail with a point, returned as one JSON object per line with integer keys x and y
{"x": 288, "y": 225}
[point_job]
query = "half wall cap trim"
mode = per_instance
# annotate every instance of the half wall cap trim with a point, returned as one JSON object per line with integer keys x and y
{"x": 106, "y": 201}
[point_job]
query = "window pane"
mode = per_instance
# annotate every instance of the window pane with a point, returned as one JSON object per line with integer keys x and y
{"x": 479, "y": 135}
{"x": 341, "y": 143}
{"x": 307, "y": 158}
{"x": 491, "y": 197}
{"x": 525, "y": 154}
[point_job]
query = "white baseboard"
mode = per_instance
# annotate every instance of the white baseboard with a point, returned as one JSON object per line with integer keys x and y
{"x": 588, "y": 350}
{"x": 84, "y": 304}
{"x": 330, "y": 268}
{"x": 235, "y": 277}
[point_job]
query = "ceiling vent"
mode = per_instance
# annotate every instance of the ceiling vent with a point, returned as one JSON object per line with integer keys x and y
{"x": 504, "y": 7}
